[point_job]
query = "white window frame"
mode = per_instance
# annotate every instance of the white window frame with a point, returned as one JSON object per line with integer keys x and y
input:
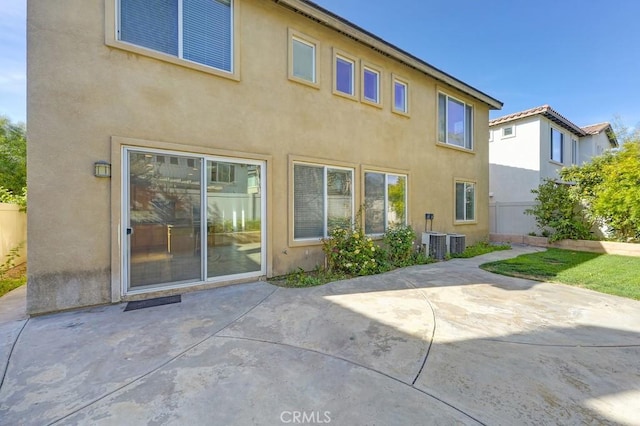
{"x": 126, "y": 145}
{"x": 404, "y": 83}
{"x": 465, "y": 220}
{"x": 468, "y": 144}
{"x": 364, "y": 67}
{"x": 355, "y": 75}
{"x": 562, "y": 150}
{"x": 386, "y": 196}
{"x": 112, "y": 39}
{"x": 325, "y": 213}
{"x": 511, "y": 135}
{"x": 309, "y": 41}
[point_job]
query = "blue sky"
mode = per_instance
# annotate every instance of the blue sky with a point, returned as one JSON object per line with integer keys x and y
{"x": 582, "y": 57}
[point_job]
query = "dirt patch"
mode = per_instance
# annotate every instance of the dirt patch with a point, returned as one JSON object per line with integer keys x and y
{"x": 17, "y": 271}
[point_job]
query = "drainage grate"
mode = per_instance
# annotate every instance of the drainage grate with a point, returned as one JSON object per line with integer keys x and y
{"x": 158, "y": 301}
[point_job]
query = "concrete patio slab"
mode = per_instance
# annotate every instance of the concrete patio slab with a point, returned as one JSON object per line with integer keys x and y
{"x": 445, "y": 343}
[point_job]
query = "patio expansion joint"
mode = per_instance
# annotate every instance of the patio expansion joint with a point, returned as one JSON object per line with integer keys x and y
{"x": 161, "y": 365}
{"x": 13, "y": 345}
{"x": 373, "y": 370}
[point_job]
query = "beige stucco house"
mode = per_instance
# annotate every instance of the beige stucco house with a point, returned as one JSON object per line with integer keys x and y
{"x": 237, "y": 133}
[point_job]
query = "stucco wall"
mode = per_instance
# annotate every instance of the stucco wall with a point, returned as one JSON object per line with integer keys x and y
{"x": 515, "y": 162}
{"x": 83, "y": 93}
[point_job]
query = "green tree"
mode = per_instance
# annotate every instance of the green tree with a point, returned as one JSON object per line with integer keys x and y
{"x": 397, "y": 196}
{"x": 13, "y": 156}
{"x": 609, "y": 189}
{"x": 558, "y": 214}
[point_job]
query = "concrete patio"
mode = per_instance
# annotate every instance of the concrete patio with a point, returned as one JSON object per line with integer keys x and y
{"x": 445, "y": 343}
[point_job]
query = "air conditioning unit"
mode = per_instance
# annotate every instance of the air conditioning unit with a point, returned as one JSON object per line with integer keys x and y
{"x": 456, "y": 243}
{"x": 435, "y": 245}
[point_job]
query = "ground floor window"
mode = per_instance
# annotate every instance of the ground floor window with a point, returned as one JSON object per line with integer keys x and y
{"x": 465, "y": 201}
{"x": 385, "y": 201}
{"x": 195, "y": 218}
{"x": 322, "y": 199}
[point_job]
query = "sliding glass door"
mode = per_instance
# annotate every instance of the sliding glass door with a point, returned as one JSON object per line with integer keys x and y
{"x": 190, "y": 219}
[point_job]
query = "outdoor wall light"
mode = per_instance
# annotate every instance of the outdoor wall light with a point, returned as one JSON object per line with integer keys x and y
{"x": 102, "y": 169}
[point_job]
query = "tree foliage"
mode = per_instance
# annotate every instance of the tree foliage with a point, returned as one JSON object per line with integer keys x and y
{"x": 603, "y": 192}
{"x": 558, "y": 214}
{"x": 610, "y": 188}
{"x": 13, "y": 158}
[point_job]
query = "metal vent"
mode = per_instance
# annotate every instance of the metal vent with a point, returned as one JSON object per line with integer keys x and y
{"x": 435, "y": 245}
{"x": 456, "y": 243}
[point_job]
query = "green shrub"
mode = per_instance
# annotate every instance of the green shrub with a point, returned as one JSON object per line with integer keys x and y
{"x": 351, "y": 252}
{"x": 399, "y": 242}
{"x": 558, "y": 215}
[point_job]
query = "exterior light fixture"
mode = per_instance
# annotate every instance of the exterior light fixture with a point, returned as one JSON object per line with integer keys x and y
{"x": 102, "y": 169}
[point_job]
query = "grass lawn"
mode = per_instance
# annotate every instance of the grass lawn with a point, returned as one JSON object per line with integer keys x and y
{"x": 606, "y": 273}
{"x": 13, "y": 278}
{"x": 8, "y": 284}
{"x": 480, "y": 249}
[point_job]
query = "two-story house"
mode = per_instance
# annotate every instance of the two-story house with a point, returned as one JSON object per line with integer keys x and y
{"x": 182, "y": 145}
{"x": 528, "y": 147}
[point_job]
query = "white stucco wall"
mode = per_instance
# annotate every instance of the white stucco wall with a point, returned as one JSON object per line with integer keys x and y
{"x": 514, "y": 162}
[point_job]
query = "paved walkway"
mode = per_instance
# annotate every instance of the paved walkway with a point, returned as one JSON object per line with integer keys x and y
{"x": 435, "y": 344}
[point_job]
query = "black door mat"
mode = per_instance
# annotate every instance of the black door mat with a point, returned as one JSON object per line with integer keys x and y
{"x": 141, "y": 304}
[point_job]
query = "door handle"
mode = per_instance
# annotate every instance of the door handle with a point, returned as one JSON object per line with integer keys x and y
{"x": 129, "y": 231}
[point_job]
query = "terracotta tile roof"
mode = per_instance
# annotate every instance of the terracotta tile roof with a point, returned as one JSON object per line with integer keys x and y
{"x": 546, "y": 111}
{"x": 594, "y": 129}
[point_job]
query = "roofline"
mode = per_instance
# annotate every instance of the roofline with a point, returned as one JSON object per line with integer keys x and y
{"x": 611, "y": 135}
{"x": 337, "y": 23}
{"x": 547, "y": 112}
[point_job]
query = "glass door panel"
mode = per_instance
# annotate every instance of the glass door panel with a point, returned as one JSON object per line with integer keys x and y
{"x": 234, "y": 218}
{"x": 164, "y": 234}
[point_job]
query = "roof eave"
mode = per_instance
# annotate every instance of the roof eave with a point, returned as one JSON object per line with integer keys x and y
{"x": 331, "y": 20}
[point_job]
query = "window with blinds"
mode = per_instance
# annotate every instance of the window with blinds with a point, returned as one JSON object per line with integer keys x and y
{"x": 322, "y": 200}
{"x": 200, "y": 31}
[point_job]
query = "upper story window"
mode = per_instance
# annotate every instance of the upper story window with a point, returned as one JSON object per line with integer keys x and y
{"x": 199, "y": 31}
{"x": 508, "y": 132}
{"x": 557, "y": 146}
{"x": 574, "y": 151}
{"x": 345, "y": 75}
{"x": 455, "y": 122}
{"x": 400, "y": 96}
{"x": 370, "y": 85}
{"x": 303, "y": 58}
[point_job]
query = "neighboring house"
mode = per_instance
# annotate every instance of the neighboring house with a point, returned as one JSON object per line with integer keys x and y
{"x": 238, "y": 132}
{"x": 528, "y": 147}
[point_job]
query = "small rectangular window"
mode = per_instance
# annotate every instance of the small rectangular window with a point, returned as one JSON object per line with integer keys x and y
{"x": 345, "y": 69}
{"x": 160, "y": 159}
{"x": 574, "y": 151}
{"x": 465, "y": 201}
{"x": 371, "y": 85}
{"x": 303, "y": 59}
{"x": 173, "y": 160}
{"x": 508, "y": 132}
{"x": 557, "y": 146}
{"x": 191, "y": 162}
{"x": 400, "y": 96}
